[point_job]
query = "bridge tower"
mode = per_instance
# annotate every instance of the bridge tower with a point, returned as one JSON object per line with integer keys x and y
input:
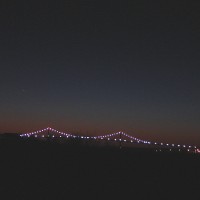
{"x": 48, "y": 135}
{"x": 120, "y": 140}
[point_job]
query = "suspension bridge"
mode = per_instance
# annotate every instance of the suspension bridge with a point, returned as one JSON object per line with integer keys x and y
{"x": 118, "y": 137}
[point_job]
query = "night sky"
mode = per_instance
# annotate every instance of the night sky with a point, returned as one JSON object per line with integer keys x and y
{"x": 96, "y": 67}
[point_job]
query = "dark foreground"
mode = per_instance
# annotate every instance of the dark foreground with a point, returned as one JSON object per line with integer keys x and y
{"x": 53, "y": 171}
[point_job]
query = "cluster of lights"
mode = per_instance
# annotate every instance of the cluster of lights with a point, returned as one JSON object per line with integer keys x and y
{"x": 197, "y": 150}
{"x": 160, "y": 144}
{"x": 108, "y": 137}
{"x": 44, "y": 130}
{"x": 160, "y": 150}
{"x": 33, "y": 133}
{"x": 105, "y": 136}
{"x": 136, "y": 139}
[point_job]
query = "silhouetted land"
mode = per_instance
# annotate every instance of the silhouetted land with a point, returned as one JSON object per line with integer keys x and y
{"x": 42, "y": 170}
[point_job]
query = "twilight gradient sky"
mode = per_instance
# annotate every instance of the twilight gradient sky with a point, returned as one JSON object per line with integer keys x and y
{"x": 101, "y": 66}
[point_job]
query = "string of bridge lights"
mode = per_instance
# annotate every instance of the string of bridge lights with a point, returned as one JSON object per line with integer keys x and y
{"x": 108, "y": 137}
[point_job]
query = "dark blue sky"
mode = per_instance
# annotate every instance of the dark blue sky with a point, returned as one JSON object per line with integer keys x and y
{"x": 101, "y": 66}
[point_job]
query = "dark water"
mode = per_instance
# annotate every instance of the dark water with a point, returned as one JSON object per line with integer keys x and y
{"x": 50, "y": 171}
